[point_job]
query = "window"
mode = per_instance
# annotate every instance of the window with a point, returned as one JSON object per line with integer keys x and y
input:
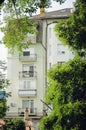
{"x": 26, "y": 84}
{"x": 61, "y": 52}
{"x": 49, "y": 50}
{"x": 49, "y": 65}
{"x": 31, "y": 71}
{"x": 26, "y": 53}
{"x": 28, "y": 70}
{"x": 60, "y": 49}
{"x": 61, "y": 62}
{"x": 72, "y": 52}
{"x": 49, "y": 33}
{"x": 29, "y": 104}
{"x": 27, "y": 67}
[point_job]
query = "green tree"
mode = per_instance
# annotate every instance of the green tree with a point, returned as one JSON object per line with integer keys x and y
{"x": 18, "y": 22}
{"x": 14, "y": 124}
{"x": 67, "y": 85}
{"x": 3, "y": 85}
{"x": 36, "y": 3}
{"x": 67, "y": 95}
{"x": 16, "y": 31}
{"x": 73, "y": 30}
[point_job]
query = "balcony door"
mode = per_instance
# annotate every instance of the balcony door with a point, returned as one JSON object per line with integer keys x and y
{"x": 28, "y": 70}
{"x": 29, "y": 104}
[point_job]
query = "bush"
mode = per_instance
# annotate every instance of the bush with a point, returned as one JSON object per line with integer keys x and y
{"x": 14, "y": 124}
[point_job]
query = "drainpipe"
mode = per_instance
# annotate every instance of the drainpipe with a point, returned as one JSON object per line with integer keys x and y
{"x": 46, "y": 56}
{"x": 45, "y": 45}
{"x": 47, "y": 24}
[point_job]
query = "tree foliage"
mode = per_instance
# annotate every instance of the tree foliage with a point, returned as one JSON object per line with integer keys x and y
{"x": 20, "y": 7}
{"x": 35, "y": 4}
{"x": 18, "y": 22}
{"x": 16, "y": 31}
{"x": 14, "y": 124}
{"x": 67, "y": 85}
{"x": 67, "y": 95}
{"x": 3, "y": 94}
{"x": 73, "y": 30}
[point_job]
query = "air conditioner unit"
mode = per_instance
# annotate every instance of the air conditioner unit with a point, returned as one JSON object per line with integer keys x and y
{"x": 12, "y": 104}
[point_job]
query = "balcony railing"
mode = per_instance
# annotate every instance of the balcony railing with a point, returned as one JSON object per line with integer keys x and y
{"x": 27, "y": 74}
{"x": 32, "y": 111}
{"x": 31, "y": 57}
{"x": 27, "y": 92}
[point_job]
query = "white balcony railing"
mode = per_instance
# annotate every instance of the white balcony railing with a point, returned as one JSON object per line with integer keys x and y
{"x": 32, "y": 111}
{"x": 31, "y": 57}
{"x": 27, "y": 92}
{"x": 27, "y": 74}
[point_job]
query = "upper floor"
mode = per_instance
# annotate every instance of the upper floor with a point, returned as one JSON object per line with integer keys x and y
{"x": 28, "y": 55}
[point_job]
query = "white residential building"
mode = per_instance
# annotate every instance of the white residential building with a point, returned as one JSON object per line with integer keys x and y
{"x": 56, "y": 51}
{"x": 26, "y": 75}
{"x": 27, "y": 72}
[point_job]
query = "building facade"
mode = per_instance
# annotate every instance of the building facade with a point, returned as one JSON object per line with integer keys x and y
{"x": 26, "y": 75}
{"x": 27, "y": 72}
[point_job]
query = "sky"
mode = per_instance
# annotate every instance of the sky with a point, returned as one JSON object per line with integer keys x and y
{"x": 55, "y": 6}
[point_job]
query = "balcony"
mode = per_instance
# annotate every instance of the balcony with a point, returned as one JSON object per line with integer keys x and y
{"x": 19, "y": 112}
{"x": 32, "y": 111}
{"x": 27, "y": 74}
{"x": 31, "y": 57}
{"x": 27, "y": 92}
